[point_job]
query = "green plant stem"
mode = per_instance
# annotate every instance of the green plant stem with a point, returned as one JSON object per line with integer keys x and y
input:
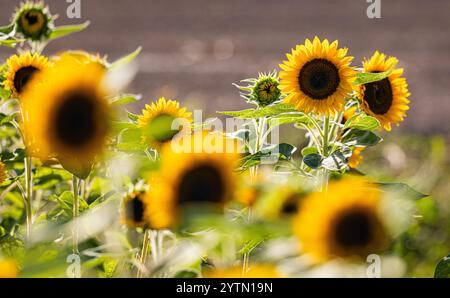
{"x": 144, "y": 252}
{"x": 28, "y": 163}
{"x": 76, "y": 210}
{"x": 326, "y": 140}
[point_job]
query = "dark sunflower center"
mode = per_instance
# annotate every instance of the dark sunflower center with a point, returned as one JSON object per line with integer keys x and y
{"x": 160, "y": 128}
{"x": 134, "y": 210}
{"x": 319, "y": 79}
{"x": 32, "y": 17}
{"x": 291, "y": 205}
{"x": 379, "y": 96}
{"x": 75, "y": 122}
{"x": 202, "y": 184}
{"x": 23, "y": 76}
{"x": 354, "y": 230}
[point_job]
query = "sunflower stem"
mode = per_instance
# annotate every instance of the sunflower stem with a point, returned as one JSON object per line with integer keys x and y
{"x": 28, "y": 163}
{"x": 144, "y": 253}
{"x": 76, "y": 210}
{"x": 326, "y": 140}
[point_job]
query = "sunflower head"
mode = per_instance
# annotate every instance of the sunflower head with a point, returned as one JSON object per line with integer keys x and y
{"x": 386, "y": 100}
{"x": 254, "y": 271}
{"x": 161, "y": 210}
{"x": 33, "y": 20}
{"x": 198, "y": 171}
{"x": 262, "y": 91}
{"x": 317, "y": 77}
{"x": 158, "y": 121}
{"x": 8, "y": 269}
{"x": 201, "y": 167}
{"x": 83, "y": 57}
{"x": 20, "y": 69}
{"x": 280, "y": 202}
{"x": 342, "y": 222}
{"x": 134, "y": 209}
{"x": 66, "y": 113}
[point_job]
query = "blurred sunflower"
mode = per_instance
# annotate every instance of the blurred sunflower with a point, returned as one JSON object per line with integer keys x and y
{"x": 317, "y": 77}
{"x": 280, "y": 201}
{"x": 386, "y": 100}
{"x": 20, "y": 70}
{"x": 33, "y": 20}
{"x": 200, "y": 169}
{"x": 3, "y": 172}
{"x": 255, "y": 271}
{"x": 356, "y": 159}
{"x": 342, "y": 222}
{"x": 161, "y": 210}
{"x": 157, "y": 120}
{"x": 66, "y": 114}
{"x": 83, "y": 57}
{"x": 8, "y": 269}
{"x": 134, "y": 209}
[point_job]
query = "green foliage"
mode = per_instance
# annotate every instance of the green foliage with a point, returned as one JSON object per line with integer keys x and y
{"x": 64, "y": 31}
{"x": 443, "y": 268}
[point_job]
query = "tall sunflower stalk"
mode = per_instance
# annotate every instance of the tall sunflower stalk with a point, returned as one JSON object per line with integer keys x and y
{"x": 263, "y": 92}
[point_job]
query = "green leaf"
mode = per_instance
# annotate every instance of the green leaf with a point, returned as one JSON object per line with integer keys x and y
{"x": 335, "y": 162}
{"x": 369, "y": 77}
{"x": 5, "y": 119}
{"x": 357, "y": 137}
{"x": 362, "y": 122}
{"x": 7, "y": 29}
{"x": 4, "y": 94}
{"x": 117, "y": 126}
{"x": 242, "y": 135}
{"x": 309, "y": 150}
{"x": 131, "y": 140}
{"x": 258, "y": 113}
{"x": 126, "y": 99}
{"x": 10, "y": 43}
{"x": 443, "y": 268}
{"x": 133, "y": 117}
{"x": 63, "y": 31}
{"x": 187, "y": 274}
{"x": 284, "y": 151}
{"x": 288, "y": 118}
{"x": 314, "y": 160}
{"x": 127, "y": 59}
{"x": 403, "y": 190}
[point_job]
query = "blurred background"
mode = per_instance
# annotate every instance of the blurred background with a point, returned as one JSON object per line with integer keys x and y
{"x": 193, "y": 50}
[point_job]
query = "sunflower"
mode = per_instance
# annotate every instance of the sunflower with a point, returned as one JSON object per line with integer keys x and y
{"x": 3, "y": 172}
{"x": 134, "y": 209}
{"x": 20, "y": 70}
{"x": 8, "y": 269}
{"x": 356, "y": 159}
{"x": 33, "y": 20}
{"x": 281, "y": 201}
{"x": 157, "y": 120}
{"x": 255, "y": 271}
{"x": 66, "y": 114}
{"x": 198, "y": 170}
{"x": 263, "y": 90}
{"x": 83, "y": 57}
{"x": 161, "y": 210}
{"x": 317, "y": 77}
{"x": 342, "y": 222}
{"x": 386, "y": 100}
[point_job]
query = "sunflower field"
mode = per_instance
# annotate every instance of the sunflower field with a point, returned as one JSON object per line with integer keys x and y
{"x": 90, "y": 189}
